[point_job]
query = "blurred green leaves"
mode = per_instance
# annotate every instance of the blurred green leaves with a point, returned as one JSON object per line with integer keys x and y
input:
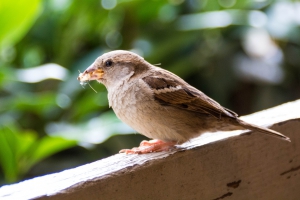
{"x": 16, "y": 18}
{"x": 91, "y": 132}
{"x": 20, "y": 150}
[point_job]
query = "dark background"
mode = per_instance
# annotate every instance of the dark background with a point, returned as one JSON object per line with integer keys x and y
{"x": 244, "y": 54}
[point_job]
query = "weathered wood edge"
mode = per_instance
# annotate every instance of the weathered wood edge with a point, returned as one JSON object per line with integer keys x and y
{"x": 68, "y": 180}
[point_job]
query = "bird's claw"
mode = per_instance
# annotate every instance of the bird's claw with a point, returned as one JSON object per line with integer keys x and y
{"x": 149, "y": 147}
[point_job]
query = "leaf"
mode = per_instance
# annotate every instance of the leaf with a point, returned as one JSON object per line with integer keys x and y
{"x": 16, "y": 17}
{"x": 48, "y": 146}
{"x": 8, "y": 145}
{"x": 26, "y": 141}
{"x": 19, "y": 151}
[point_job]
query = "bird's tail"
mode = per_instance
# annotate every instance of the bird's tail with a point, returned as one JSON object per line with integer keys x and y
{"x": 263, "y": 130}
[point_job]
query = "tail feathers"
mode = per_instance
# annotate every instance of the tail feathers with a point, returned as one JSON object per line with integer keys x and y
{"x": 263, "y": 130}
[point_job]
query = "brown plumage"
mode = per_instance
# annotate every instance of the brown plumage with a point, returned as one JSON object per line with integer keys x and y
{"x": 159, "y": 104}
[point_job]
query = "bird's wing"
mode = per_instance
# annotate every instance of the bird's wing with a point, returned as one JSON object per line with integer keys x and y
{"x": 170, "y": 92}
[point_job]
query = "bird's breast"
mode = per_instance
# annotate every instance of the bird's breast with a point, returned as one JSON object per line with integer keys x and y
{"x": 136, "y": 107}
{"x": 130, "y": 104}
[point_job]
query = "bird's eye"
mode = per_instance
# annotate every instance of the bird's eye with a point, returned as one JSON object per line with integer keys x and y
{"x": 108, "y": 63}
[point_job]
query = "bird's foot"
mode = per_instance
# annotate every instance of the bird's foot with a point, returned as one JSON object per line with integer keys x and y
{"x": 149, "y": 147}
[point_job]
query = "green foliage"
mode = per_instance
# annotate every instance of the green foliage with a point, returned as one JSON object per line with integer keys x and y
{"x": 20, "y": 150}
{"x": 16, "y": 18}
{"x": 109, "y": 123}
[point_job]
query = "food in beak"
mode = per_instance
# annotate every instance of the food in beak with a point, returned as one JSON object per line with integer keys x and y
{"x": 89, "y": 76}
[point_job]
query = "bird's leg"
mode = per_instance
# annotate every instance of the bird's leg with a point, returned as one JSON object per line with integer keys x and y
{"x": 150, "y": 146}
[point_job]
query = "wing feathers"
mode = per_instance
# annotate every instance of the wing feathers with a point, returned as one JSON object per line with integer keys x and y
{"x": 169, "y": 92}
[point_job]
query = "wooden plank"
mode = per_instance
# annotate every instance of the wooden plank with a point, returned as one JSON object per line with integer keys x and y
{"x": 221, "y": 165}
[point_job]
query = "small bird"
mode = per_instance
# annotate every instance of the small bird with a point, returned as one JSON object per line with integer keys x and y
{"x": 159, "y": 104}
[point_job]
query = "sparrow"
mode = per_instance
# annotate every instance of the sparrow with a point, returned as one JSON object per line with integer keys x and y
{"x": 159, "y": 104}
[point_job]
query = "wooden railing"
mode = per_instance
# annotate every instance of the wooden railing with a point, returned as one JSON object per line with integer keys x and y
{"x": 222, "y": 165}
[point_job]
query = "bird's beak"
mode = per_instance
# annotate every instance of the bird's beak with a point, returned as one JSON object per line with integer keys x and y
{"x": 90, "y": 74}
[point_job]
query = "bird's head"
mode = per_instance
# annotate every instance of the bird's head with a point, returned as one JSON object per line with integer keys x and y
{"x": 113, "y": 67}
